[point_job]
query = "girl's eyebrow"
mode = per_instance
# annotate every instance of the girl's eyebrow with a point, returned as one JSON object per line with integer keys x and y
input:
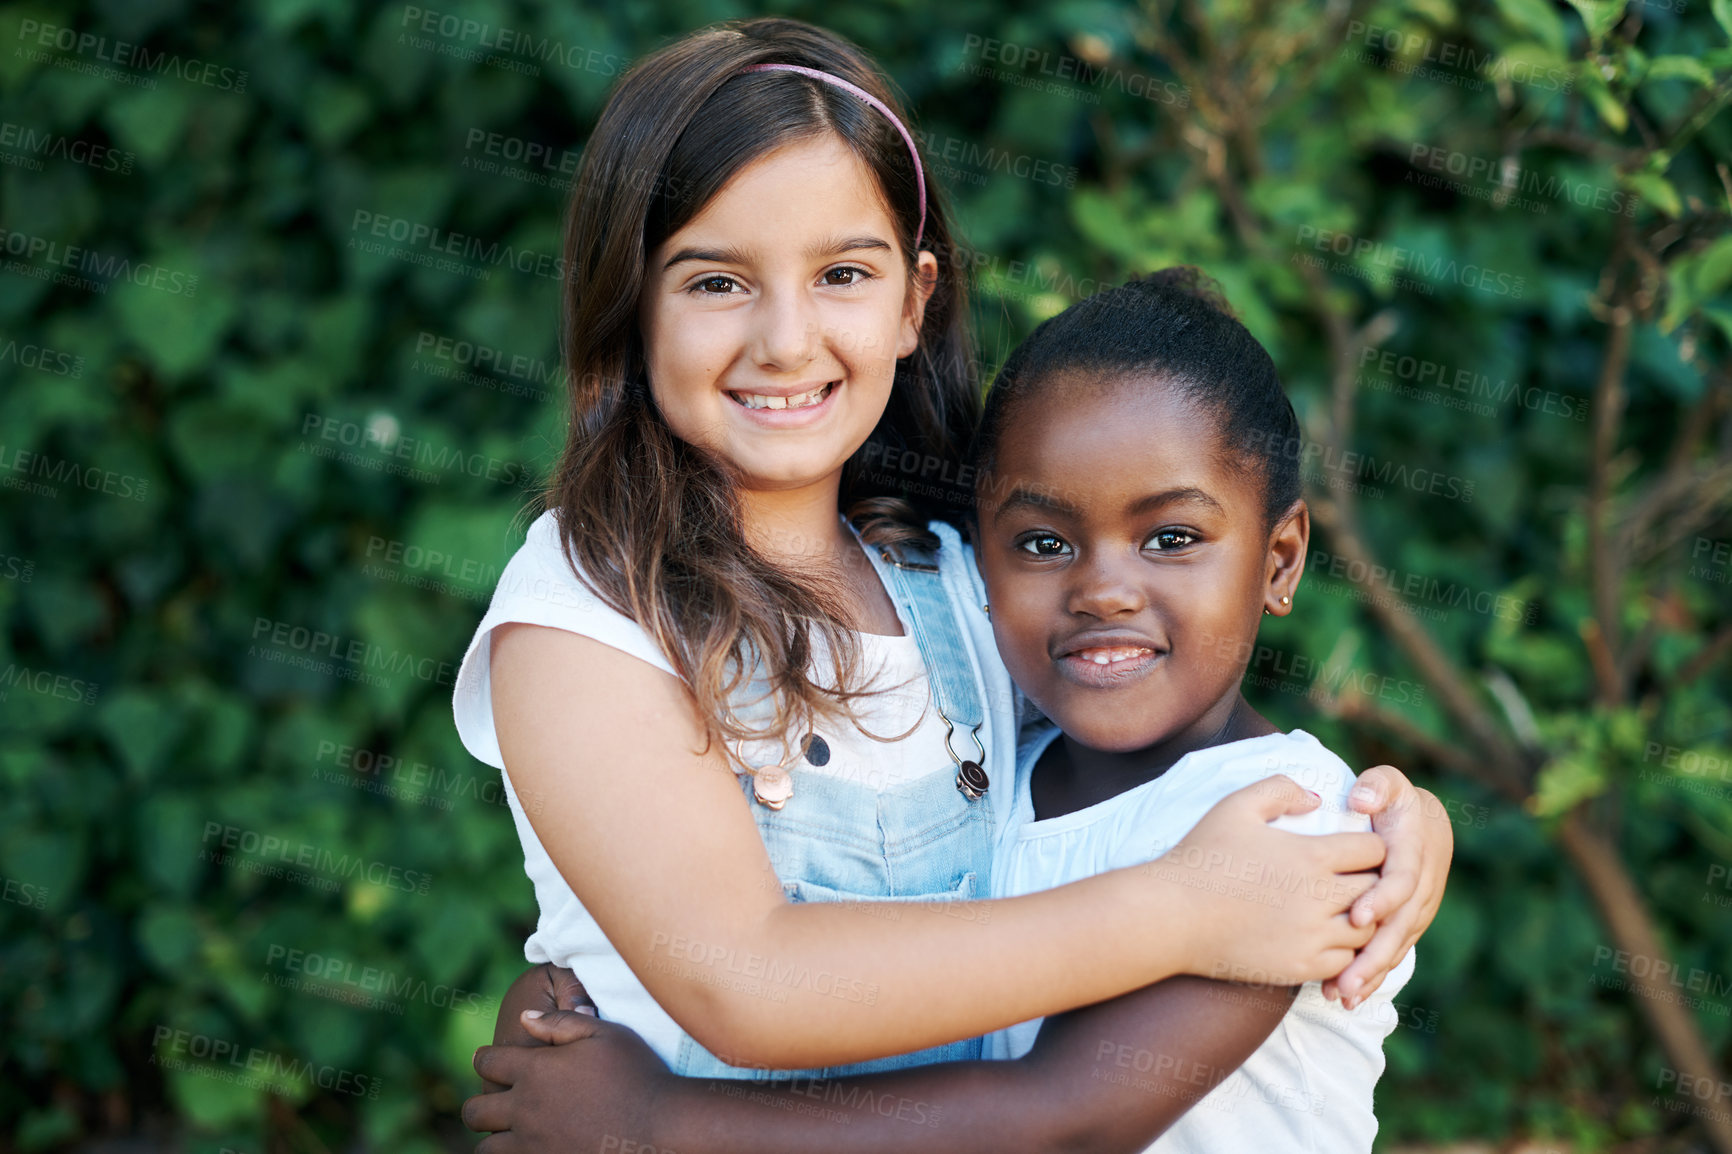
{"x": 1172, "y": 496}
{"x": 1022, "y": 496}
{"x": 729, "y": 255}
{"x": 833, "y": 246}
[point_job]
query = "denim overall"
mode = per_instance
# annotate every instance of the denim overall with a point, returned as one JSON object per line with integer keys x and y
{"x": 923, "y": 840}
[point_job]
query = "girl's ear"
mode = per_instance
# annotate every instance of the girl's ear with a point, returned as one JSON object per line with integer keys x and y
{"x": 924, "y": 280}
{"x": 1286, "y": 563}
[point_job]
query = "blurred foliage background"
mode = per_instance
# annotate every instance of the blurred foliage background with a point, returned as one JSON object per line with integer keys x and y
{"x": 278, "y": 376}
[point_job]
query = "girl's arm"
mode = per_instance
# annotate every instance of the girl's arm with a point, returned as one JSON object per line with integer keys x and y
{"x": 1106, "y": 1078}
{"x": 654, "y": 836}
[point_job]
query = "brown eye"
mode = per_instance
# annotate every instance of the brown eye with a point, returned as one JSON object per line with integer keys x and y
{"x": 1043, "y": 545}
{"x": 1168, "y": 540}
{"x": 848, "y": 275}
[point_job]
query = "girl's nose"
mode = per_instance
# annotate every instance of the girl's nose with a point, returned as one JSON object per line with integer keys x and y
{"x": 784, "y": 330}
{"x": 1103, "y": 587}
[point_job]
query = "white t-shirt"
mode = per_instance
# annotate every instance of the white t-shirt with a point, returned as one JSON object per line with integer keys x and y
{"x": 1309, "y": 1086}
{"x": 538, "y": 586}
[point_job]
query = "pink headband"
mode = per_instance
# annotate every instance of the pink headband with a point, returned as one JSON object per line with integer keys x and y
{"x": 837, "y": 81}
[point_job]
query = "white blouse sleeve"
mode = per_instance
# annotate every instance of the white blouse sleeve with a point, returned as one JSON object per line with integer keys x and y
{"x": 537, "y": 587}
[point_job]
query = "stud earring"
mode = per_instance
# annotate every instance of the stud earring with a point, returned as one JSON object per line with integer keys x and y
{"x": 986, "y": 609}
{"x": 1285, "y": 599}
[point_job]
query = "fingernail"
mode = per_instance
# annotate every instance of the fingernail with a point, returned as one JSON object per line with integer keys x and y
{"x": 1315, "y": 794}
{"x": 1363, "y": 793}
{"x": 532, "y": 1013}
{"x": 590, "y": 1010}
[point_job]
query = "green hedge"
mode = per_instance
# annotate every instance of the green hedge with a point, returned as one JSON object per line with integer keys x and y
{"x": 233, "y": 606}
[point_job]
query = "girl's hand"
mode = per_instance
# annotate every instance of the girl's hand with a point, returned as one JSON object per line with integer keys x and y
{"x": 582, "y": 1082}
{"x": 1271, "y": 906}
{"x": 546, "y": 988}
{"x": 1403, "y": 902}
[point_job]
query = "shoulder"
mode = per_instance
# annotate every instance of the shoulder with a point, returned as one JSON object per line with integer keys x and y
{"x": 538, "y": 586}
{"x": 1307, "y": 761}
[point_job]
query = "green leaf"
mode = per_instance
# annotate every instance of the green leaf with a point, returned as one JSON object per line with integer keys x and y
{"x": 1600, "y": 16}
{"x": 1539, "y": 19}
{"x": 1722, "y": 10}
{"x": 170, "y": 936}
{"x": 178, "y": 330}
{"x": 1566, "y": 781}
{"x": 1713, "y": 269}
{"x": 1679, "y": 68}
{"x": 202, "y": 1092}
{"x": 1605, "y": 102}
{"x": 1657, "y": 191}
{"x": 140, "y": 726}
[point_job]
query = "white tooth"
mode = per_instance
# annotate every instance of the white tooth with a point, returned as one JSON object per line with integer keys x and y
{"x": 1102, "y": 659}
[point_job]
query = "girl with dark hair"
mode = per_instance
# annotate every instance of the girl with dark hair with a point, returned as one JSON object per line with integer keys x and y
{"x": 756, "y": 726}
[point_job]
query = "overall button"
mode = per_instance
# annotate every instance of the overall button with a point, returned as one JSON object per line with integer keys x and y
{"x": 971, "y": 780}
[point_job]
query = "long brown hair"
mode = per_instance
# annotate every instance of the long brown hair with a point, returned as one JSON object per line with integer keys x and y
{"x": 652, "y": 522}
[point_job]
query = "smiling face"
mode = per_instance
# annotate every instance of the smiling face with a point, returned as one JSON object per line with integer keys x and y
{"x": 1128, "y": 563}
{"x": 773, "y": 320}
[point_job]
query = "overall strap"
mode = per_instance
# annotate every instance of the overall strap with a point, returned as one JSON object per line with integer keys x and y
{"x": 919, "y": 588}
